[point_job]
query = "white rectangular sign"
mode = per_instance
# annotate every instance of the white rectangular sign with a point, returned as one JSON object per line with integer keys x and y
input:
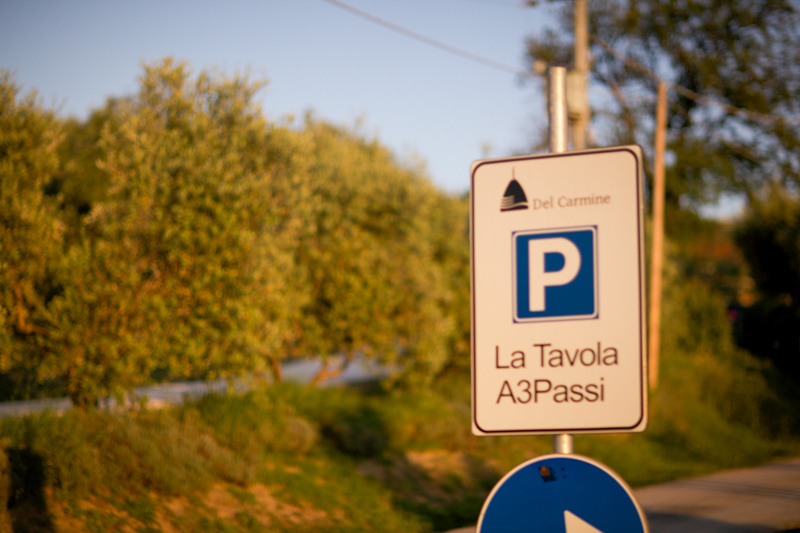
{"x": 558, "y": 314}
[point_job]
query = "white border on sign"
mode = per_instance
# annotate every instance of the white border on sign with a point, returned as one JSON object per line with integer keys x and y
{"x": 642, "y": 422}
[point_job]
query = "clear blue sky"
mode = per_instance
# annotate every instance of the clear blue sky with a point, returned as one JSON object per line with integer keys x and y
{"x": 417, "y": 99}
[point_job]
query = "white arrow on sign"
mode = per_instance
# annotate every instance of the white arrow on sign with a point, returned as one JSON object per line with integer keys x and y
{"x": 575, "y": 524}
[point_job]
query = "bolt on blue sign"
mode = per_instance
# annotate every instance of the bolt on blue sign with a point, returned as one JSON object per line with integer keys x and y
{"x": 562, "y": 494}
{"x": 555, "y": 274}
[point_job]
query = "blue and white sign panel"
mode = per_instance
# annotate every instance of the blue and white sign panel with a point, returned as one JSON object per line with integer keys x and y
{"x": 562, "y": 494}
{"x": 558, "y": 316}
{"x": 555, "y": 274}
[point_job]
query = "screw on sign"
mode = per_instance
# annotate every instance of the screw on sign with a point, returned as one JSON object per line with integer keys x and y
{"x": 562, "y": 494}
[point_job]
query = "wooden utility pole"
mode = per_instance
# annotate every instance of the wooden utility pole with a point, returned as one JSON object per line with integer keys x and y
{"x": 578, "y": 82}
{"x": 657, "y": 251}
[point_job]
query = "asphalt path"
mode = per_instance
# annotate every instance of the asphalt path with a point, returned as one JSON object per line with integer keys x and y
{"x": 750, "y": 500}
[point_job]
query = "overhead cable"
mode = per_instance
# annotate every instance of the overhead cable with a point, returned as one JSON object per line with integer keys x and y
{"x": 692, "y": 95}
{"x": 683, "y": 91}
{"x": 432, "y": 42}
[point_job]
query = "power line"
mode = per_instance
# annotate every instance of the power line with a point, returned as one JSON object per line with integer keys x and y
{"x": 692, "y": 95}
{"x": 683, "y": 91}
{"x": 429, "y": 41}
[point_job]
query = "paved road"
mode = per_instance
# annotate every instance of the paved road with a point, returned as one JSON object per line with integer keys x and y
{"x": 750, "y": 500}
{"x": 766, "y": 498}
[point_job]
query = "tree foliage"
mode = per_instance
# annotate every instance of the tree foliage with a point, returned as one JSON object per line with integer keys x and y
{"x": 189, "y": 217}
{"x": 736, "y": 125}
{"x": 79, "y": 184}
{"x": 30, "y": 231}
{"x": 176, "y": 233}
{"x": 769, "y": 236}
{"x": 372, "y": 256}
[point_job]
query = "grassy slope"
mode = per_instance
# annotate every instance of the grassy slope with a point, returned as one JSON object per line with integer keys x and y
{"x": 295, "y": 459}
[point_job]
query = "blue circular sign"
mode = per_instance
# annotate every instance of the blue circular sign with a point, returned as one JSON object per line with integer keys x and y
{"x": 562, "y": 494}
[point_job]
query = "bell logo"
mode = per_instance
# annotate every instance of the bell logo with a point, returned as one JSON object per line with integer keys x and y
{"x": 514, "y": 198}
{"x": 555, "y": 274}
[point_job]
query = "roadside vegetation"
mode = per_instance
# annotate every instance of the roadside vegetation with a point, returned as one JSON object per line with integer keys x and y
{"x": 291, "y": 458}
{"x": 179, "y": 233}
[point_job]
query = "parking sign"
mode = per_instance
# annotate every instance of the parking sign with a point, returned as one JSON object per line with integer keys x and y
{"x": 554, "y": 274}
{"x": 558, "y": 316}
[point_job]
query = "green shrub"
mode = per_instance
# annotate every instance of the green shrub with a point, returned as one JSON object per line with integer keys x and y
{"x": 256, "y": 422}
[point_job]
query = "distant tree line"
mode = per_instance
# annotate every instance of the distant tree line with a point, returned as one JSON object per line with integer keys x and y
{"x": 177, "y": 233}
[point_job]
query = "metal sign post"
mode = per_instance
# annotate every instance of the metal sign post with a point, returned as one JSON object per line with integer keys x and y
{"x": 557, "y": 116}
